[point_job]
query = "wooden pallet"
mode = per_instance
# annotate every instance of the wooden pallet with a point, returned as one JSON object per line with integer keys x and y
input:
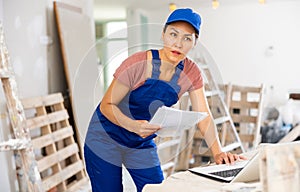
{"x": 245, "y": 104}
{"x": 57, "y": 153}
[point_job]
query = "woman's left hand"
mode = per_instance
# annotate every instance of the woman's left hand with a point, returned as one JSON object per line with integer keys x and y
{"x": 228, "y": 158}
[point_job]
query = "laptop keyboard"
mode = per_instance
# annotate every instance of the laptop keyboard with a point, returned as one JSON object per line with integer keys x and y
{"x": 228, "y": 173}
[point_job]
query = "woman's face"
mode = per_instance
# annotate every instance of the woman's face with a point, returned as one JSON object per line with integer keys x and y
{"x": 179, "y": 38}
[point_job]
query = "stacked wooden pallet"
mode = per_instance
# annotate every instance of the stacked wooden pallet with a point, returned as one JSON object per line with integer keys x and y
{"x": 245, "y": 105}
{"x": 57, "y": 153}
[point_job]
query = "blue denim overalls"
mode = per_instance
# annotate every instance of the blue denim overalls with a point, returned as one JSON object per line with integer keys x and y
{"x": 108, "y": 146}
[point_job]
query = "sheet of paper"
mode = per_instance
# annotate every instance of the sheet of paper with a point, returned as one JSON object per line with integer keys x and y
{"x": 174, "y": 121}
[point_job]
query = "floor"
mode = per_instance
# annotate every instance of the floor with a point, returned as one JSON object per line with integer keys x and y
{"x": 128, "y": 182}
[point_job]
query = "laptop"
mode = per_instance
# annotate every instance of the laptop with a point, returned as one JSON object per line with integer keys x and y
{"x": 240, "y": 171}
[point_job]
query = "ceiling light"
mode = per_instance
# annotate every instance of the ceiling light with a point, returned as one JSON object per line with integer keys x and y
{"x": 172, "y": 7}
{"x": 262, "y": 1}
{"x": 215, "y": 4}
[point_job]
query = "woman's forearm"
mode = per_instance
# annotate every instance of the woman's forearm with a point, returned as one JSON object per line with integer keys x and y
{"x": 115, "y": 115}
{"x": 209, "y": 131}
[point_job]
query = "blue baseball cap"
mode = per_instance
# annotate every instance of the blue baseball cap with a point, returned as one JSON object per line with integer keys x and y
{"x": 187, "y": 15}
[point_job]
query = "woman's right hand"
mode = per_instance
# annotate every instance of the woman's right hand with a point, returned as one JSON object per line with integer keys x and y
{"x": 144, "y": 129}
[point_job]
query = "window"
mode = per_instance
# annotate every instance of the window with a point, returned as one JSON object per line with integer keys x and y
{"x": 112, "y": 47}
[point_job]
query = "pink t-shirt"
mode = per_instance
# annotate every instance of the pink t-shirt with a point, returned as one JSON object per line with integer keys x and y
{"x": 132, "y": 72}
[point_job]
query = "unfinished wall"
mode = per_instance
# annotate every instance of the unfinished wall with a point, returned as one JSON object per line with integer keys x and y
{"x": 25, "y": 30}
{"x": 1, "y": 10}
{"x": 32, "y": 43}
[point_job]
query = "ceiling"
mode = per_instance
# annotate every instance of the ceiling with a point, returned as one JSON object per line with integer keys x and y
{"x": 153, "y": 4}
{"x": 116, "y": 9}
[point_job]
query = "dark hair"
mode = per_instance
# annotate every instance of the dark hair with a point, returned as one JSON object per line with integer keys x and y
{"x": 166, "y": 25}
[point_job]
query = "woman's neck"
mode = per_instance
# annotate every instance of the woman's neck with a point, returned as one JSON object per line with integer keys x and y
{"x": 166, "y": 64}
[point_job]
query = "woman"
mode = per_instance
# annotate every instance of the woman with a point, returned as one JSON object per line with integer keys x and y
{"x": 119, "y": 132}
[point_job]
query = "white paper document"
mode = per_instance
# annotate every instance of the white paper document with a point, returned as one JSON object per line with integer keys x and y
{"x": 174, "y": 121}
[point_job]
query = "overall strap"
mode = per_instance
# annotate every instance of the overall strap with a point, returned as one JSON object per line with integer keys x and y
{"x": 155, "y": 64}
{"x": 176, "y": 76}
{"x": 174, "y": 81}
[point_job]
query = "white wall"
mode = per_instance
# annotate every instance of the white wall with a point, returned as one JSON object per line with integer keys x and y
{"x": 33, "y": 46}
{"x": 1, "y": 10}
{"x": 135, "y": 25}
{"x": 24, "y": 28}
{"x": 238, "y": 37}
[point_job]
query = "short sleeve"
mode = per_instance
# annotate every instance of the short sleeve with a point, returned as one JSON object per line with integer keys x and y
{"x": 196, "y": 78}
{"x": 131, "y": 71}
{"x": 190, "y": 78}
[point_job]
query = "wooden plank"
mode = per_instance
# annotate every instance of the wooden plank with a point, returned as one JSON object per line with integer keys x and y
{"x": 198, "y": 134}
{"x": 70, "y": 140}
{"x": 54, "y": 158}
{"x": 55, "y": 136}
{"x": 239, "y": 105}
{"x": 59, "y": 177}
{"x": 248, "y": 89}
{"x": 221, "y": 120}
{"x": 5, "y": 74}
{"x": 244, "y": 138}
{"x": 42, "y": 101}
{"x": 14, "y": 144}
{"x": 48, "y": 119}
{"x": 212, "y": 93}
{"x": 50, "y": 149}
{"x": 167, "y": 144}
{"x": 243, "y": 118}
{"x": 247, "y": 137}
